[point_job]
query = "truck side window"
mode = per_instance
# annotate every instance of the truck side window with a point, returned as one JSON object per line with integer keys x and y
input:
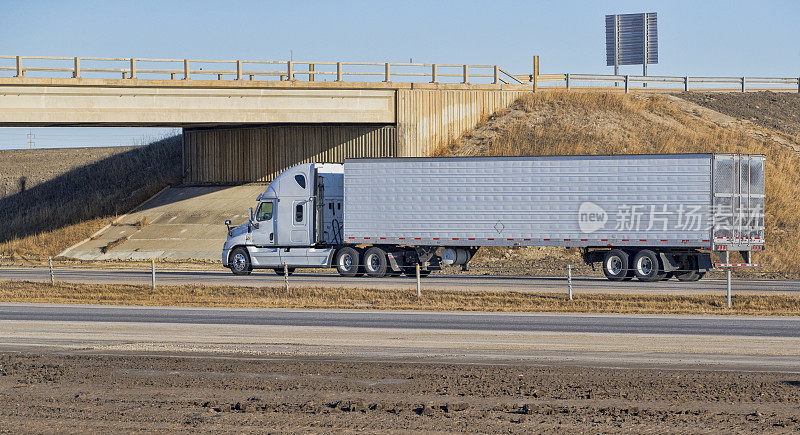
{"x": 298, "y": 213}
{"x": 264, "y": 212}
{"x": 301, "y": 180}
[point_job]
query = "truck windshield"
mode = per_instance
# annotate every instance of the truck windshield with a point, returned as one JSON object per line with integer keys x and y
{"x": 264, "y": 212}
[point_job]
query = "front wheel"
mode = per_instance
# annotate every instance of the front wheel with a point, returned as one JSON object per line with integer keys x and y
{"x": 240, "y": 262}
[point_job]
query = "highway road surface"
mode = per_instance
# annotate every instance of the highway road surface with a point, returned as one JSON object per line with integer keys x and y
{"x": 436, "y": 281}
{"x": 723, "y": 342}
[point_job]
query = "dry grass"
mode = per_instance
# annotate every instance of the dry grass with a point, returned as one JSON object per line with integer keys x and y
{"x": 43, "y": 220}
{"x": 571, "y": 123}
{"x": 343, "y": 298}
{"x": 50, "y": 243}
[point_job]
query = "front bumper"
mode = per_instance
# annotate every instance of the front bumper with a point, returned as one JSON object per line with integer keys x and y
{"x": 225, "y": 254}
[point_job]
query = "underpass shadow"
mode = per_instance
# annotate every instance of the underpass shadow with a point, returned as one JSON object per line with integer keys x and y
{"x": 110, "y": 186}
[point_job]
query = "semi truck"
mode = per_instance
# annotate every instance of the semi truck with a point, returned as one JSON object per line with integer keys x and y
{"x": 646, "y": 216}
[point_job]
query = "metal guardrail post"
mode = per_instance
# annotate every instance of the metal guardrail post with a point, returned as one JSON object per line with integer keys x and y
{"x": 743, "y": 85}
{"x": 466, "y": 74}
{"x": 419, "y": 285}
{"x": 566, "y": 78}
{"x": 20, "y": 71}
{"x": 798, "y": 85}
{"x": 496, "y": 77}
{"x": 387, "y": 75}
{"x": 133, "y": 68}
{"x": 172, "y": 76}
{"x": 186, "y": 75}
{"x": 728, "y": 261}
{"x": 434, "y": 78}
{"x": 285, "y": 276}
{"x": 626, "y": 84}
{"x": 338, "y": 71}
{"x": 238, "y": 70}
{"x": 153, "y": 270}
{"x": 686, "y": 84}
{"x": 311, "y": 74}
{"x": 569, "y": 280}
{"x": 77, "y": 73}
{"x": 52, "y": 276}
{"x": 290, "y": 70}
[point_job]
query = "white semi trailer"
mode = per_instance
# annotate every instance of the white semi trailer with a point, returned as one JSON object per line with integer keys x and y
{"x": 648, "y": 216}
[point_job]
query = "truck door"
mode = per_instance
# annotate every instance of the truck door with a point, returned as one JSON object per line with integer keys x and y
{"x": 299, "y": 234}
{"x": 264, "y": 236}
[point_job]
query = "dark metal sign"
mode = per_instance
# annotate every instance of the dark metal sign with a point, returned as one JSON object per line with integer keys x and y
{"x": 631, "y": 39}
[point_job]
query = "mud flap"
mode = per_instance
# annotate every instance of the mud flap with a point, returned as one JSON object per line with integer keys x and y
{"x": 669, "y": 262}
{"x": 393, "y": 262}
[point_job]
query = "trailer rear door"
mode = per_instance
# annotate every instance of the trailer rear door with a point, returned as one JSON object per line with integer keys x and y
{"x": 738, "y": 202}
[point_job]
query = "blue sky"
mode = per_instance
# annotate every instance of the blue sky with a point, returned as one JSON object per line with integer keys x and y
{"x": 695, "y": 38}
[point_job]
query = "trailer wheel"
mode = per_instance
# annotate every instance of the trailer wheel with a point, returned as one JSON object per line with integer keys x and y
{"x": 691, "y": 275}
{"x": 616, "y": 265}
{"x": 646, "y": 266}
{"x": 375, "y": 262}
{"x": 347, "y": 260}
{"x": 240, "y": 262}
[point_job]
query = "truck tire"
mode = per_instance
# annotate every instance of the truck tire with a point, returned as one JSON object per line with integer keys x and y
{"x": 616, "y": 265}
{"x": 239, "y": 262}
{"x": 347, "y": 260}
{"x": 279, "y": 271}
{"x": 375, "y": 262}
{"x": 691, "y": 275}
{"x": 646, "y": 266}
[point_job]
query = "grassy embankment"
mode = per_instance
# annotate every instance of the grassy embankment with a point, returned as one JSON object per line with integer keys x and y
{"x": 349, "y": 298}
{"x": 572, "y": 123}
{"x": 47, "y": 218}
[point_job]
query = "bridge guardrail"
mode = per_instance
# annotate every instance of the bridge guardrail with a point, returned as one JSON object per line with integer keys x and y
{"x": 687, "y": 83}
{"x": 291, "y": 70}
{"x": 130, "y": 68}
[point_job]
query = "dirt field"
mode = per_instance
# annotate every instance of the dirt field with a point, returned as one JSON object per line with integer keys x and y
{"x": 776, "y": 110}
{"x": 85, "y": 393}
{"x": 40, "y": 165}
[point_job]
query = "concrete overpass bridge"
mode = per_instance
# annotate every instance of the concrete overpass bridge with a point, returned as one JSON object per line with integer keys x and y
{"x": 245, "y": 121}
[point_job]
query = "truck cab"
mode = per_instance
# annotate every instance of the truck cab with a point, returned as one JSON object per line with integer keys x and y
{"x": 296, "y": 222}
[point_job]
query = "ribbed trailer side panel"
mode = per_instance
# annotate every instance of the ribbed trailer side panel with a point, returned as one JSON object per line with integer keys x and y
{"x": 642, "y": 200}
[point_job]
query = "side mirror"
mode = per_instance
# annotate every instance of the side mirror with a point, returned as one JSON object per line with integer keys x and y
{"x": 252, "y": 219}
{"x": 228, "y": 223}
{"x": 250, "y": 215}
